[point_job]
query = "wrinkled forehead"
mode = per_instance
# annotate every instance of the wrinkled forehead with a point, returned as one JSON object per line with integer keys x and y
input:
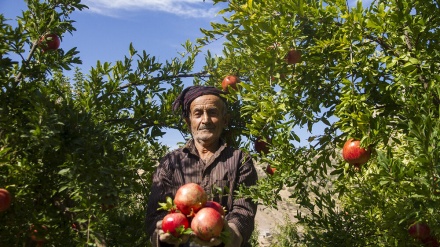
{"x": 207, "y": 101}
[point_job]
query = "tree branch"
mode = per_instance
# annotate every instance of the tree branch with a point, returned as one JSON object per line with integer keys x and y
{"x": 26, "y": 62}
{"x": 159, "y": 78}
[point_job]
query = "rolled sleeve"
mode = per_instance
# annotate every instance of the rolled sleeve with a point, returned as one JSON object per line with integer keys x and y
{"x": 244, "y": 209}
{"x": 160, "y": 189}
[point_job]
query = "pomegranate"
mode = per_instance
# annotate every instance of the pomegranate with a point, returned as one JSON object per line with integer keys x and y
{"x": 419, "y": 230}
{"x": 261, "y": 146}
{"x": 270, "y": 170}
{"x": 5, "y": 200}
{"x": 354, "y": 154}
{"x": 175, "y": 223}
{"x": 230, "y": 80}
{"x": 50, "y": 42}
{"x": 293, "y": 56}
{"x": 190, "y": 198}
{"x": 215, "y": 205}
{"x": 207, "y": 223}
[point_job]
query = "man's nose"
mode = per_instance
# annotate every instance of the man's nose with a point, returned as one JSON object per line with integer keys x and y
{"x": 205, "y": 117}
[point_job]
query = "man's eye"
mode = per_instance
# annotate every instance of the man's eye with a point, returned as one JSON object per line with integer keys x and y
{"x": 213, "y": 113}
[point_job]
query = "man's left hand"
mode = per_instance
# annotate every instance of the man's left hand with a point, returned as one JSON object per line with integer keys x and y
{"x": 234, "y": 239}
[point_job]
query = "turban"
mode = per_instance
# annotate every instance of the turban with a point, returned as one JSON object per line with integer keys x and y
{"x": 191, "y": 93}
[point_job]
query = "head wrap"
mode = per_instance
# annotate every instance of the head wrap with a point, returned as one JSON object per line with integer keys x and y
{"x": 191, "y": 93}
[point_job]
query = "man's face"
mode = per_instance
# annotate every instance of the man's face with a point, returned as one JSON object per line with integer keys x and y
{"x": 207, "y": 118}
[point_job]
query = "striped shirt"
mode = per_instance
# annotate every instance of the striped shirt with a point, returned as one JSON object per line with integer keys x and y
{"x": 227, "y": 169}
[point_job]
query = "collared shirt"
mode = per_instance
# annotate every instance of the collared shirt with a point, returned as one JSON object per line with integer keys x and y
{"x": 224, "y": 172}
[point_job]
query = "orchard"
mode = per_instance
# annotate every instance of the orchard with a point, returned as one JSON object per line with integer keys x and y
{"x": 77, "y": 154}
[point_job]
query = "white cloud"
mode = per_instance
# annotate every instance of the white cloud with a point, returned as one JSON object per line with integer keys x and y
{"x": 186, "y": 8}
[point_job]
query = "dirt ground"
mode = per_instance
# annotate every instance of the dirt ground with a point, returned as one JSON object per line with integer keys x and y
{"x": 267, "y": 219}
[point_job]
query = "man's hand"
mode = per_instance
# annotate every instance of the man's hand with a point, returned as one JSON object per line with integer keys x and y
{"x": 212, "y": 242}
{"x": 234, "y": 239}
{"x": 168, "y": 237}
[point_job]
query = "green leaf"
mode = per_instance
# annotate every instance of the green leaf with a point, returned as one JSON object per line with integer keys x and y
{"x": 64, "y": 171}
{"x": 168, "y": 205}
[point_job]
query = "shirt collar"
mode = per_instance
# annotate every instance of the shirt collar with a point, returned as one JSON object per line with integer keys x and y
{"x": 190, "y": 147}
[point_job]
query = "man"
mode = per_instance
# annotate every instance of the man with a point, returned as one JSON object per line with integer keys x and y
{"x": 209, "y": 162}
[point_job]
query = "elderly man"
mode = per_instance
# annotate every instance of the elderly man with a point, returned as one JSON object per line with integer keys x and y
{"x": 209, "y": 162}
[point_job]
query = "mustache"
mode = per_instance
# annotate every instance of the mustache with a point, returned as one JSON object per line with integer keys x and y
{"x": 205, "y": 127}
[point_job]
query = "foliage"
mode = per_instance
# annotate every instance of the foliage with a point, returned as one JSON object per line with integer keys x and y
{"x": 369, "y": 72}
{"x": 77, "y": 154}
{"x": 81, "y": 151}
{"x": 286, "y": 234}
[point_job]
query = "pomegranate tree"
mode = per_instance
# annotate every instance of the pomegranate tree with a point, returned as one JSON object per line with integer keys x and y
{"x": 190, "y": 198}
{"x": 175, "y": 224}
{"x": 207, "y": 223}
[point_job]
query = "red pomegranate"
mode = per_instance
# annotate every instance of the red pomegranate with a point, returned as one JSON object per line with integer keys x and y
{"x": 419, "y": 230}
{"x": 190, "y": 198}
{"x": 261, "y": 146}
{"x": 293, "y": 56}
{"x": 175, "y": 223}
{"x": 207, "y": 223}
{"x": 270, "y": 170}
{"x": 215, "y": 205}
{"x": 50, "y": 42}
{"x": 354, "y": 154}
{"x": 230, "y": 81}
{"x": 5, "y": 200}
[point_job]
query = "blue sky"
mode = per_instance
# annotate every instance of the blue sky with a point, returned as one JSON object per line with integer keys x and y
{"x": 105, "y": 30}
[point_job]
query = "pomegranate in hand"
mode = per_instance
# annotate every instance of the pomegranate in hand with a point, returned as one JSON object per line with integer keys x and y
{"x": 207, "y": 223}
{"x": 175, "y": 224}
{"x": 215, "y": 205}
{"x": 190, "y": 198}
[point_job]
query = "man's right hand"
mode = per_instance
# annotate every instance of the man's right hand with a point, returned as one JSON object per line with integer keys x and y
{"x": 210, "y": 243}
{"x": 168, "y": 237}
